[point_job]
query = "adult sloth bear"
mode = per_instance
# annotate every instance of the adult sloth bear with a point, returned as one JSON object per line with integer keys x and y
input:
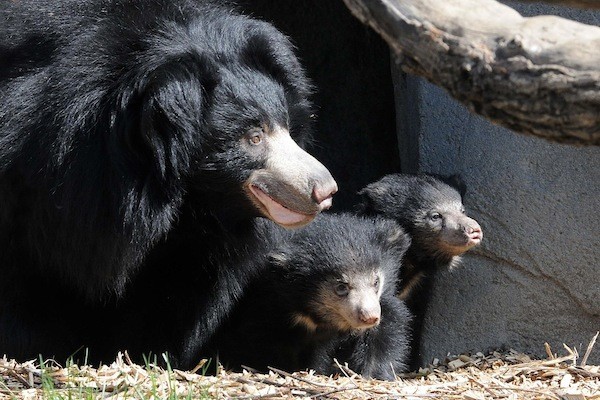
{"x": 141, "y": 135}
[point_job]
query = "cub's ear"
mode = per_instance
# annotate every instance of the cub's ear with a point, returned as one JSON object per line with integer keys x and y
{"x": 392, "y": 236}
{"x": 369, "y": 198}
{"x": 456, "y": 182}
{"x": 365, "y": 203}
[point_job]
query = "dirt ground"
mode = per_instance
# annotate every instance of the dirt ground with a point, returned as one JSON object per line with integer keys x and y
{"x": 497, "y": 375}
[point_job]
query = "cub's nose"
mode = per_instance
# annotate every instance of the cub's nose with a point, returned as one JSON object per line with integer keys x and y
{"x": 372, "y": 320}
{"x": 370, "y": 316}
{"x": 474, "y": 231}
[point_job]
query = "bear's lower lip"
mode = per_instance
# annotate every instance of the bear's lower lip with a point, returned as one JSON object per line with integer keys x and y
{"x": 356, "y": 324}
{"x": 475, "y": 237}
{"x": 278, "y": 212}
{"x": 456, "y": 249}
{"x": 364, "y": 326}
{"x": 474, "y": 241}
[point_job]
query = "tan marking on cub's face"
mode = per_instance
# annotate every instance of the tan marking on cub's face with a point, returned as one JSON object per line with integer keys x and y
{"x": 350, "y": 302}
{"x": 305, "y": 321}
{"x": 409, "y": 285}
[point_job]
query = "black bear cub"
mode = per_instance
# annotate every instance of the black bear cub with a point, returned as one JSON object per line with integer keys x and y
{"x": 328, "y": 293}
{"x": 431, "y": 210}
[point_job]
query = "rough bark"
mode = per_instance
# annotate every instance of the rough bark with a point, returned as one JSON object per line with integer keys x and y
{"x": 538, "y": 75}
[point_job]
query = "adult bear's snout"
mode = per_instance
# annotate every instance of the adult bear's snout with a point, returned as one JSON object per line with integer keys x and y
{"x": 293, "y": 187}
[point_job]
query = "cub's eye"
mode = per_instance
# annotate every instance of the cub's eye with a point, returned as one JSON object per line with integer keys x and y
{"x": 342, "y": 289}
{"x": 255, "y": 136}
{"x": 376, "y": 282}
{"x": 436, "y": 216}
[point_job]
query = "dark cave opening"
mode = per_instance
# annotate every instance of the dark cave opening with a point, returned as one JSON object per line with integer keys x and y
{"x": 355, "y": 130}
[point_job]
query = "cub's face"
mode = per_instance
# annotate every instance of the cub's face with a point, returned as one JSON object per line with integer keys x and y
{"x": 440, "y": 224}
{"x": 336, "y": 270}
{"x": 349, "y": 301}
{"x": 429, "y": 209}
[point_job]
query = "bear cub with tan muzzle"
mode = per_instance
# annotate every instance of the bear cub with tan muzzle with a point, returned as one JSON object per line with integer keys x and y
{"x": 328, "y": 293}
{"x": 431, "y": 210}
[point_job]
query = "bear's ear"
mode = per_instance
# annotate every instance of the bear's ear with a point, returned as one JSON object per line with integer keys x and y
{"x": 392, "y": 236}
{"x": 365, "y": 203}
{"x": 180, "y": 89}
{"x": 371, "y": 198}
{"x": 161, "y": 109}
{"x": 455, "y": 181}
{"x": 271, "y": 52}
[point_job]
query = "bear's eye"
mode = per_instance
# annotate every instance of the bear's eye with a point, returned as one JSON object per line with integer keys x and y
{"x": 342, "y": 289}
{"x": 255, "y": 136}
{"x": 376, "y": 282}
{"x": 436, "y": 216}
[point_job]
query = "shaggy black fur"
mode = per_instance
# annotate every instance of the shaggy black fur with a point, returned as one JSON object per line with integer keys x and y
{"x": 295, "y": 317}
{"x": 125, "y": 146}
{"x": 430, "y": 209}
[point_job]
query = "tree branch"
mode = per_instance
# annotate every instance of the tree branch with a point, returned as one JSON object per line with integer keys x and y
{"x": 538, "y": 75}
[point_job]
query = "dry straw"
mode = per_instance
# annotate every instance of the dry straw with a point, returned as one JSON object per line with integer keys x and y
{"x": 498, "y": 375}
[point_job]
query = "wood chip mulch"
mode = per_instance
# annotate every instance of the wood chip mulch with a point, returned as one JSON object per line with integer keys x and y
{"x": 498, "y": 375}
